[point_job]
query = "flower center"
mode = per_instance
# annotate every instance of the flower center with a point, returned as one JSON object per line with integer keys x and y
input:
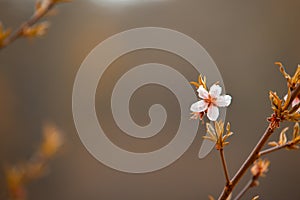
{"x": 210, "y": 100}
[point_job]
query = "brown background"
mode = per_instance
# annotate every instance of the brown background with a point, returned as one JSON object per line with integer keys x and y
{"x": 244, "y": 38}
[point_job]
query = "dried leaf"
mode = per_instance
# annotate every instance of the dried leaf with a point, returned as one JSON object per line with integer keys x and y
{"x": 219, "y": 126}
{"x": 273, "y": 144}
{"x": 228, "y": 127}
{"x": 215, "y": 134}
{"x": 276, "y": 101}
{"x": 201, "y": 81}
{"x": 195, "y": 84}
{"x": 282, "y": 137}
{"x": 296, "y": 77}
{"x": 282, "y": 70}
{"x": 211, "y": 133}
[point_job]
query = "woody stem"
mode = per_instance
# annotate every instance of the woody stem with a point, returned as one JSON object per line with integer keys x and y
{"x": 224, "y": 166}
{"x": 254, "y": 154}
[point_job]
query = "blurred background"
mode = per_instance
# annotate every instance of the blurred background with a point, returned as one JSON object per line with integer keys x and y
{"x": 244, "y": 38}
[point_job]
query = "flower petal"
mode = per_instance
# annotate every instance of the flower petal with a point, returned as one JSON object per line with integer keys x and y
{"x": 223, "y": 101}
{"x": 202, "y": 92}
{"x": 215, "y": 91}
{"x": 199, "y": 106}
{"x": 213, "y": 113}
{"x": 295, "y": 101}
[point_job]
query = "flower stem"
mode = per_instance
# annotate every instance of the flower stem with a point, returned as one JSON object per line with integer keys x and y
{"x": 224, "y": 166}
{"x": 254, "y": 154}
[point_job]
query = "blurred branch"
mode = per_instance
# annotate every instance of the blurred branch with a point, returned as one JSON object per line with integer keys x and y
{"x": 29, "y": 28}
{"x": 18, "y": 176}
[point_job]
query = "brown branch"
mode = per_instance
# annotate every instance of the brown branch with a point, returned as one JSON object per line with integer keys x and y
{"x": 224, "y": 166}
{"x": 18, "y": 176}
{"x": 33, "y": 20}
{"x": 250, "y": 184}
{"x": 254, "y": 154}
{"x": 251, "y": 158}
{"x": 276, "y": 148}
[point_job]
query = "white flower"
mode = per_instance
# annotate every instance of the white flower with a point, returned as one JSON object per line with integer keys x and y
{"x": 211, "y": 101}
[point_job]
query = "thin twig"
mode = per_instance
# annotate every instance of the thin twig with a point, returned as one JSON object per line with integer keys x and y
{"x": 251, "y": 158}
{"x": 224, "y": 166}
{"x": 249, "y": 185}
{"x": 253, "y": 155}
{"x": 276, "y": 148}
{"x": 34, "y": 18}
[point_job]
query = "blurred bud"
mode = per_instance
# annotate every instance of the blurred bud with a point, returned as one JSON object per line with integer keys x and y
{"x": 4, "y": 33}
{"x": 52, "y": 141}
{"x": 260, "y": 167}
{"x": 36, "y": 30}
